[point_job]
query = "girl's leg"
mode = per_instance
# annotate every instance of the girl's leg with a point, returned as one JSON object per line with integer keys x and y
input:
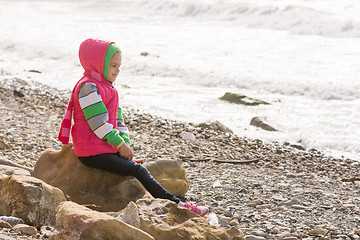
{"x": 112, "y": 162}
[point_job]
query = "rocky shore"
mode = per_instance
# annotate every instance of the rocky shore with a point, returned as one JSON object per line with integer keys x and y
{"x": 268, "y": 191}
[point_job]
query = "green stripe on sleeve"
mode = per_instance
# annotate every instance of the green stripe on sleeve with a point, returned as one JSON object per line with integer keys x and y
{"x": 114, "y": 138}
{"x": 94, "y": 110}
{"x": 119, "y": 116}
{"x": 126, "y": 137}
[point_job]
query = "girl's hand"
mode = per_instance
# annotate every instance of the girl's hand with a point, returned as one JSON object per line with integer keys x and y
{"x": 125, "y": 152}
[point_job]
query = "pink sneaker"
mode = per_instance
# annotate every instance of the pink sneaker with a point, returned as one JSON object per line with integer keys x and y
{"x": 199, "y": 210}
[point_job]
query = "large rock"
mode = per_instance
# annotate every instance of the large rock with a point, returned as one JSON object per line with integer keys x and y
{"x": 218, "y": 126}
{"x": 171, "y": 175}
{"x": 75, "y": 222}
{"x": 84, "y": 185}
{"x": 241, "y": 99}
{"x": 30, "y": 199}
{"x": 164, "y": 220}
{"x": 258, "y": 122}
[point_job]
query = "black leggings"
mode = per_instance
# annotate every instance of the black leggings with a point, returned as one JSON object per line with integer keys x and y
{"x": 112, "y": 162}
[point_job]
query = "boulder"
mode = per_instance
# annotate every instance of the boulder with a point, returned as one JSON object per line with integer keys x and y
{"x": 218, "y": 126}
{"x": 165, "y": 220}
{"x": 84, "y": 185}
{"x": 30, "y": 199}
{"x": 258, "y": 122}
{"x": 295, "y": 145}
{"x": 75, "y": 222}
{"x": 241, "y": 99}
{"x": 171, "y": 175}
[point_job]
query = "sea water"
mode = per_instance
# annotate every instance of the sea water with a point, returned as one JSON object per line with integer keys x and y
{"x": 180, "y": 56}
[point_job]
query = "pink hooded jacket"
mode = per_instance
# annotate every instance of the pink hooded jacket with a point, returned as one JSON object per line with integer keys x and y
{"x": 86, "y": 143}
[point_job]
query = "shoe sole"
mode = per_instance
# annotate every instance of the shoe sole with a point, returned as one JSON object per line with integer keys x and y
{"x": 204, "y": 213}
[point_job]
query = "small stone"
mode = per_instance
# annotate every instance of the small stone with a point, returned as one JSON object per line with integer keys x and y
{"x": 325, "y": 206}
{"x": 317, "y": 232}
{"x": 18, "y": 93}
{"x": 224, "y": 222}
{"x": 12, "y": 220}
{"x": 4, "y": 224}
{"x": 300, "y": 207}
{"x": 46, "y": 231}
{"x": 213, "y": 219}
{"x": 252, "y": 237}
{"x": 259, "y": 233}
{"x": 217, "y": 184}
{"x": 229, "y": 213}
{"x": 289, "y": 202}
{"x": 284, "y": 234}
{"x": 34, "y": 71}
{"x": 234, "y": 223}
{"x": 254, "y": 202}
{"x": 290, "y": 175}
{"x": 298, "y": 146}
{"x": 25, "y": 229}
{"x": 4, "y": 145}
{"x": 263, "y": 206}
{"x": 275, "y": 230}
{"x": 189, "y": 136}
{"x": 279, "y": 198}
{"x": 290, "y": 238}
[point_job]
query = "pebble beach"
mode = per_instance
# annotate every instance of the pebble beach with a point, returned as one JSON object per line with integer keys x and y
{"x": 268, "y": 191}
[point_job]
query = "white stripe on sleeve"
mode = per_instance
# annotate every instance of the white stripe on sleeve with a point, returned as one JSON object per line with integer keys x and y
{"x": 122, "y": 129}
{"x": 103, "y": 130}
{"x": 90, "y": 99}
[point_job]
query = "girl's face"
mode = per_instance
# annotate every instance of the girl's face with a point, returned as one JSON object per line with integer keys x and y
{"x": 114, "y": 67}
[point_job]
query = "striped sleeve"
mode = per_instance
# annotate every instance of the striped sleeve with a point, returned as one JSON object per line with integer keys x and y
{"x": 97, "y": 115}
{"x": 123, "y": 130}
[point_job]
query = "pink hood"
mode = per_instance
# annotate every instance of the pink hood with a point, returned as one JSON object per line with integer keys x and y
{"x": 92, "y": 55}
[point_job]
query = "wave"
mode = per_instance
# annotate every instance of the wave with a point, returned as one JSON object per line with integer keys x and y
{"x": 296, "y": 19}
{"x": 322, "y": 90}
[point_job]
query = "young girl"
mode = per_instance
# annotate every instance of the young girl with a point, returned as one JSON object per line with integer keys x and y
{"x": 100, "y": 138}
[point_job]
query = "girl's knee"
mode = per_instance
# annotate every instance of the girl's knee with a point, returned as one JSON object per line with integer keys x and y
{"x": 142, "y": 172}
